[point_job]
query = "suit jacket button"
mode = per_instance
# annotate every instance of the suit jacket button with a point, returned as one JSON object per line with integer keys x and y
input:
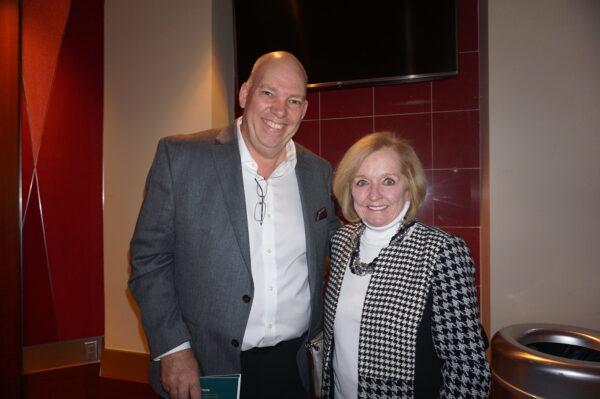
{"x": 246, "y": 298}
{"x": 235, "y": 343}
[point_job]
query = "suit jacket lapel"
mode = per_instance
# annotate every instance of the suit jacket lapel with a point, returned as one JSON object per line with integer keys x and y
{"x": 226, "y": 156}
{"x": 228, "y": 166}
{"x": 307, "y": 193}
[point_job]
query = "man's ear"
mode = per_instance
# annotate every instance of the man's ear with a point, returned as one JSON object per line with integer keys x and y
{"x": 242, "y": 97}
{"x": 305, "y": 108}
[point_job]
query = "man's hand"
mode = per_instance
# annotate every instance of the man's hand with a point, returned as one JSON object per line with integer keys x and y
{"x": 179, "y": 375}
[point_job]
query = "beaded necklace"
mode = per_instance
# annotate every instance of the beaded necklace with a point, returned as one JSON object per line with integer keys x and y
{"x": 360, "y": 268}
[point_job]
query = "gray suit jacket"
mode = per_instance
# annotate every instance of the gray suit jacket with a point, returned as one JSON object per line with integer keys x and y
{"x": 190, "y": 253}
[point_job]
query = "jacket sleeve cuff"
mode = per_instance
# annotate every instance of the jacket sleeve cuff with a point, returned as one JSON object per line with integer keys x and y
{"x": 178, "y": 348}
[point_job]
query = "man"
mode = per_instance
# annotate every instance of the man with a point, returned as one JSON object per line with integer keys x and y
{"x": 228, "y": 254}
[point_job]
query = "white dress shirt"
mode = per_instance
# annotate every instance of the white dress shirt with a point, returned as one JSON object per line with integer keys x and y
{"x": 346, "y": 327}
{"x": 281, "y": 304}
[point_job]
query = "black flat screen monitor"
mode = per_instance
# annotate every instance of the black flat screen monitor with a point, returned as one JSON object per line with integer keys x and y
{"x": 351, "y": 43}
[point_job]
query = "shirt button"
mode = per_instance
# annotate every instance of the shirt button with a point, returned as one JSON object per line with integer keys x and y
{"x": 270, "y": 325}
{"x": 268, "y": 251}
{"x": 246, "y": 298}
{"x": 235, "y": 343}
{"x": 270, "y": 288}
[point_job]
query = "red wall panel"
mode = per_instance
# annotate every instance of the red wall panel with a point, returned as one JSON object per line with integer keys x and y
{"x": 64, "y": 97}
{"x": 39, "y": 315}
{"x": 43, "y": 25}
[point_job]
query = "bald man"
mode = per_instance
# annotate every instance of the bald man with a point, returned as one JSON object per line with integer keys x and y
{"x": 228, "y": 255}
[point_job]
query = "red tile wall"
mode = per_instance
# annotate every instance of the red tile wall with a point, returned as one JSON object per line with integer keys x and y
{"x": 440, "y": 118}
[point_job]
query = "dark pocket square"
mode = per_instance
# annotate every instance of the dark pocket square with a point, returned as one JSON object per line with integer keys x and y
{"x": 321, "y": 214}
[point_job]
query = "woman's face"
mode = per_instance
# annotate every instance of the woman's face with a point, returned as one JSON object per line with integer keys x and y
{"x": 379, "y": 189}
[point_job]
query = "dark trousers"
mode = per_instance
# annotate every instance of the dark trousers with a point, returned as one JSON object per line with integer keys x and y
{"x": 272, "y": 372}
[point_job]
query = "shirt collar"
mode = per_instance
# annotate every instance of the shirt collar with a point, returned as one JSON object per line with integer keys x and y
{"x": 288, "y": 164}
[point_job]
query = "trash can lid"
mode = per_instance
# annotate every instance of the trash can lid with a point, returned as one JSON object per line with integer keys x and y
{"x": 519, "y": 366}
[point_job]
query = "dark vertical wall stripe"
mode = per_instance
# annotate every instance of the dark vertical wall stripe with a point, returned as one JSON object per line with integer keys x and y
{"x": 10, "y": 213}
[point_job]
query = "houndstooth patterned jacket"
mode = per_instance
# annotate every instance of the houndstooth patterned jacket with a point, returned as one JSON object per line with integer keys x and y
{"x": 428, "y": 268}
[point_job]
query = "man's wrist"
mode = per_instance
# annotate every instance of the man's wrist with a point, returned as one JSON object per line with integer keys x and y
{"x": 179, "y": 348}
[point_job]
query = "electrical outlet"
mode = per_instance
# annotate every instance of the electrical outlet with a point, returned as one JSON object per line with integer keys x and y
{"x": 91, "y": 350}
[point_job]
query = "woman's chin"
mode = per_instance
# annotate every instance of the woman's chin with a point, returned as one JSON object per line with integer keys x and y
{"x": 378, "y": 222}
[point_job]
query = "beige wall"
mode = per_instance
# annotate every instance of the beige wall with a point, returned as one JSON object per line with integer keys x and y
{"x": 222, "y": 62}
{"x": 168, "y": 69}
{"x": 544, "y": 133}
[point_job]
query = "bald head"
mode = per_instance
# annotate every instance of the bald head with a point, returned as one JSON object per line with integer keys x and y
{"x": 282, "y": 57}
{"x": 274, "y": 103}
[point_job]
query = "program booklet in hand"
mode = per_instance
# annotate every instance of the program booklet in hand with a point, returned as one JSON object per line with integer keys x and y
{"x": 220, "y": 386}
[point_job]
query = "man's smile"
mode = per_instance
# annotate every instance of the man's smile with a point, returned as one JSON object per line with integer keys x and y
{"x": 273, "y": 125}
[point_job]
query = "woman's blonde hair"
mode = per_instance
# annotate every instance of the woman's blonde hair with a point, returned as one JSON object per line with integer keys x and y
{"x": 410, "y": 167}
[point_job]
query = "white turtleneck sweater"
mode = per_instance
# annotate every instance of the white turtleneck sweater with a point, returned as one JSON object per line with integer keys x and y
{"x": 346, "y": 327}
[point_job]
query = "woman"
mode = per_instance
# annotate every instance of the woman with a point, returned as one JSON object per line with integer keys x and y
{"x": 401, "y": 315}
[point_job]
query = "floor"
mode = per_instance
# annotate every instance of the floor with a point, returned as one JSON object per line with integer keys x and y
{"x": 81, "y": 382}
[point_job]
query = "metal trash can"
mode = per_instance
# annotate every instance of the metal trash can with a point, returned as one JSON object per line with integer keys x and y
{"x": 546, "y": 361}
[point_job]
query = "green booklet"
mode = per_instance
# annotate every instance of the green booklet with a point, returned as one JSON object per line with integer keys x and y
{"x": 220, "y": 386}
